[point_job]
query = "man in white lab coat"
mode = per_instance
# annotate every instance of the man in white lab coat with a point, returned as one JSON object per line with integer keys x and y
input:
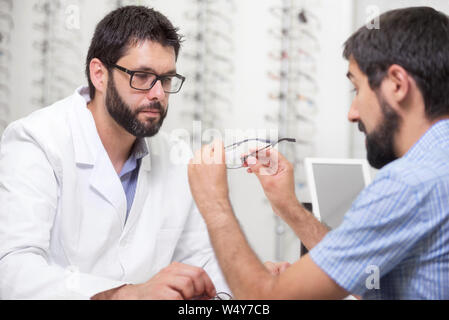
{"x": 91, "y": 203}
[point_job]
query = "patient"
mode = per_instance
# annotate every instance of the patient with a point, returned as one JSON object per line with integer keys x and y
{"x": 394, "y": 241}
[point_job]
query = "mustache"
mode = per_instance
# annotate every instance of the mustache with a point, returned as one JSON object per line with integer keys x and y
{"x": 362, "y": 127}
{"x": 153, "y": 106}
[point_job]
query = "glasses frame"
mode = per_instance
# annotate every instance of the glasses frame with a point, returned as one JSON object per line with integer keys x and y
{"x": 223, "y": 296}
{"x": 271, "y": 144}
{"x": 158, "y": 77}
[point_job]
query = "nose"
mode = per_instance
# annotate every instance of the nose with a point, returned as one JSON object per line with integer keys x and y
{"x": 157, "y": 92}
{"x": 353, "y": 114}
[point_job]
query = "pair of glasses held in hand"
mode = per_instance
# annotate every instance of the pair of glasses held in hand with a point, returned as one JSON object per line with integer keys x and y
{"x": 238, "y": 153}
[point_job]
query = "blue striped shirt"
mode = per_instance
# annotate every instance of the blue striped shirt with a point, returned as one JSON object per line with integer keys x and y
{"x": 397, "y": 230}
{"x": 130, "y": 172}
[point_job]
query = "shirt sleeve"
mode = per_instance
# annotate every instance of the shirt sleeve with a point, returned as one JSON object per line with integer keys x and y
{"x": 383, "y": 224}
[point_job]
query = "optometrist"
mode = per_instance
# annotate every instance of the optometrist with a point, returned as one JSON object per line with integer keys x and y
{"x": 91, "y": 207}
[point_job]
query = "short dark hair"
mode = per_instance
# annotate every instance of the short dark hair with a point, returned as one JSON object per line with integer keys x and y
{"x": 415, "y": 38}
{"x": 124, "y": 28}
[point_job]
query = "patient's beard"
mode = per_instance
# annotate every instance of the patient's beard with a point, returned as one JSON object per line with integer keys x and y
{"x": 380, "y": 142}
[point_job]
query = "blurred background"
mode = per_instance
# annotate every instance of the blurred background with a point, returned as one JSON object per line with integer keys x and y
{"x": 253, "y": 68}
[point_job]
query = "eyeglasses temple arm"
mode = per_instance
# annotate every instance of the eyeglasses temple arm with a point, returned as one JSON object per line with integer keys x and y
{"x": 269, "y": 146}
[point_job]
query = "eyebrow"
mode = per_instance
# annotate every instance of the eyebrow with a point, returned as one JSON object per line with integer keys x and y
{"x": 148, "y": 69}
{"x": 350, "y": 76}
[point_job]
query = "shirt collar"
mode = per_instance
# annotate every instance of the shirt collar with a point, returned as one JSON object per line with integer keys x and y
{"x": 436, "y": 136}
{"x": 139, "y": 149}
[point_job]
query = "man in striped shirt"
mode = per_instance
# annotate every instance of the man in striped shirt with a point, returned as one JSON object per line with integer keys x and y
{"x": 394, "y": 241}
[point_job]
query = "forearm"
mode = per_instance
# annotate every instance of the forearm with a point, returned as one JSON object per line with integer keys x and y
{"x": 308, "y": 228}
{"x": 245, "y": 274}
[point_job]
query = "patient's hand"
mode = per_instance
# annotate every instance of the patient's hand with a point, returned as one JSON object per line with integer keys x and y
{"x": 276, "y": 268}
{"x": 276, "y": 176}
{"x": 208, "y": 179}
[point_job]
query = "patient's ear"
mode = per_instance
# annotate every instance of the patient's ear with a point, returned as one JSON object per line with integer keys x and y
{"x": 397, "y": 84}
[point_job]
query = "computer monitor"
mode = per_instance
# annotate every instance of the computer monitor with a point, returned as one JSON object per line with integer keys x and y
{"x": 334, "y": 184}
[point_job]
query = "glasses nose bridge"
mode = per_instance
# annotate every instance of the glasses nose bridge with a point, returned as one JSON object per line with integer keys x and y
{"x": 156, "y": 79}
{"x": 160, "y": 91}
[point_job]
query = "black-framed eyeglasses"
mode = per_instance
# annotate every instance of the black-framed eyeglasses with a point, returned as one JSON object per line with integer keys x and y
{"x": 238, "y": 153}
{"x": 144, "y": 81}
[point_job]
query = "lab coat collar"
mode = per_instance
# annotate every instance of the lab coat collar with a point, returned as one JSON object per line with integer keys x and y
{"x": 86, "y": 141}
{"x": 84, "y": 131}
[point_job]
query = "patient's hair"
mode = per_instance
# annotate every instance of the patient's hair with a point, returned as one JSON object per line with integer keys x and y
{"x": 415, "y": 38}
{"x": 125, "y": 28}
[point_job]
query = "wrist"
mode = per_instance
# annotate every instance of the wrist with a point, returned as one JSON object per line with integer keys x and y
{"x": 119, "y": 293}
{"x": 287, "y": 208}
{"x": 295, "y": 214}
{"x": 219, "y": 214}
{"x": 125, "y": 292}
{"x": 215, "y": 207}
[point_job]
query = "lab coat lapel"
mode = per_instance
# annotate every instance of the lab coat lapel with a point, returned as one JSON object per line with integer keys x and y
{"x": 90, "y": 152}
{"x": 143, "y": 191}
{"x": 106, "y": 182}
{"x": 148, "y": 199}
{"x": 157, "y": 188}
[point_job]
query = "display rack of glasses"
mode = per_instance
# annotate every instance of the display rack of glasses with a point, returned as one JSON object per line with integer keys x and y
{"x": 57, "y": 68}
{"x": 293, "y": 70}
{"x": 6, "y": 27}
{"x": 209, "y": 64}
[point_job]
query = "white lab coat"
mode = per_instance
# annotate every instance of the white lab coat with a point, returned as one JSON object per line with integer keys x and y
{"x": 62, "y": 210}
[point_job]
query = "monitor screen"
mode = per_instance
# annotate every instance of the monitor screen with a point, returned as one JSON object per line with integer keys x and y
{"x": 335, "y": 186}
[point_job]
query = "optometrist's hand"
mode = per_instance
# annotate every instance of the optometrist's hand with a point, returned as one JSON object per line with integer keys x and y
{"x": 208, "y": 178}
{"x": 276, "y": 268}
{"x": 276, "y": 176}
{"x": 176, "y": 282}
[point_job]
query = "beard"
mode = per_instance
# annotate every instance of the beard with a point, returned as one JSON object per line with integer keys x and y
{"x": 380, "y": 142}
{"x": 127, "y": 118}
